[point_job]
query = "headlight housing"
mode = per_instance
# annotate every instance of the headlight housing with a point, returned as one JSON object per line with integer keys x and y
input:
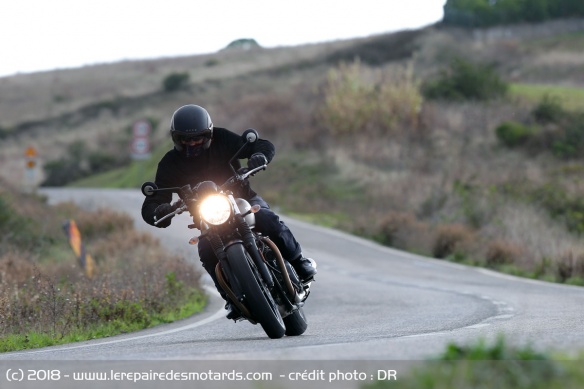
{"x": 215, "y": 209}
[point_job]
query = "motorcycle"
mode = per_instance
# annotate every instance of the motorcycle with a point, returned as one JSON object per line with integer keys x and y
{"x": 258, "y": 281}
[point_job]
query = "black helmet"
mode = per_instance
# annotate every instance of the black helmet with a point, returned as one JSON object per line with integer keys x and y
{"x": 191, "y": 122}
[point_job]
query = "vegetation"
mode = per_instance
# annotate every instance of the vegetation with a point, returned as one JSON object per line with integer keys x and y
{"x": 512, "y": 134}
{"x": 392, "y": 146}
{"x": 485, "y": 13}
{"x": 243, "y": 44}
{"x": 484, "y": 365}
{"x": 358, "y": 99}
{"x": 464, "y": 80}
{"x": 554, "y": 130}
{"x": 382, "y": 146}
{"x": 78, "y": 163}
{"x": 175, "y": 81}
{"x": 48, "y": 298}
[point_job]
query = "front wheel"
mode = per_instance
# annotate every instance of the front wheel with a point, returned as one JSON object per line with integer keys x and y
{"x": 296, "y": 323}
{"x": 258, "y": 298}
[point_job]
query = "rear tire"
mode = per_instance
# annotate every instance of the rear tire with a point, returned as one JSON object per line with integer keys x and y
{"x": 258, "y": 298}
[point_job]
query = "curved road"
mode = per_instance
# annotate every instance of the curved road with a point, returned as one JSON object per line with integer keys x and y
{"x": 369, "y": 303}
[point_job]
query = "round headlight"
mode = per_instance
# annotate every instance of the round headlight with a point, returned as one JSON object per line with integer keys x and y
{"x": 215, "y": 209}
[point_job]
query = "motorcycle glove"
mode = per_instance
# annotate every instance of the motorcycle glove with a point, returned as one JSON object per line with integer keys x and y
{"x": 161, "y": 211}
{"x": 256, "y": 160}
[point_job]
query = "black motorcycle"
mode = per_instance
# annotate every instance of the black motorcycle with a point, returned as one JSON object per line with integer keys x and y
{"x": 259, "y": 282}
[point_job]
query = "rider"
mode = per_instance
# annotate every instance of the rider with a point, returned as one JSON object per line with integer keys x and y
{"x": 201, "y": 153}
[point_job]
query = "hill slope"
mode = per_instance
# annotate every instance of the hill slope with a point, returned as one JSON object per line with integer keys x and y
{"x": 440, "y": 184}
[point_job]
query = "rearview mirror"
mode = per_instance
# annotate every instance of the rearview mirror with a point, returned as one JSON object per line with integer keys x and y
{"x": 149, "y": 188}
{"x": 250, "y": 135}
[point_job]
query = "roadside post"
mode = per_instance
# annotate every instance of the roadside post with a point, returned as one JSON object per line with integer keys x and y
{"x": 140, "y": 146}
{"x": 31, "y": 169}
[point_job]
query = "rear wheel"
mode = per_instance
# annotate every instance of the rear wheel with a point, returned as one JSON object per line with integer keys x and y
{"x": 258, "y": 298}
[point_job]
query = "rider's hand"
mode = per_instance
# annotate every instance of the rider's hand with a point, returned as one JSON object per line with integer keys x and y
{"x": 256, "y": 160}
{"x": 161, "y": 211}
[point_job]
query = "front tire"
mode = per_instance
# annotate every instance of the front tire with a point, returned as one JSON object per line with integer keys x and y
{"x": 296, "y": 323}
{"x": 258, "y": 298}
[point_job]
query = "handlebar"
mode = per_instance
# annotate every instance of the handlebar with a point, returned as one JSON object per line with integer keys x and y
{"x": 238, "y": 177}
{"x": 180, "y": 206}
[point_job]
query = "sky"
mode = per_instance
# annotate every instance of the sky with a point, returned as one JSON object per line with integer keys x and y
{"x": 39, "y": 35}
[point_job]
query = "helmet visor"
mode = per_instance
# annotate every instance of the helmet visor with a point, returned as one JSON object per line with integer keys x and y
{"x": 188, "y": 139}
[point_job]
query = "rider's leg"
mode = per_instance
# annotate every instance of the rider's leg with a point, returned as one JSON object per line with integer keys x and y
{"x": 269, "y": 223}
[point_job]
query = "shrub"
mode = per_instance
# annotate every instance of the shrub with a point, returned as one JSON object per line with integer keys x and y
{"x": 358, "y": 99}
{"x": 243, "y": 44}
{"x": 395, "y": 228}
{"x": 561, "y": 205}
{"x": 483, "y": 13}
{"x": 569, "y": 142}
{"x": 347, "y": 102}
{"x": 399, "y": 99}
{"x": 79, "y": 162}
{"x": 500, "y": 252}
{"x": 211, "y": 62}
{"x": 569, "y": 265}
{"x": 175, "y": 81}
{"x": 451, "y": 239}
{"x": 549, "y": 110}
{"x": 513, "y": 134}
{"x": 464, "y": 80}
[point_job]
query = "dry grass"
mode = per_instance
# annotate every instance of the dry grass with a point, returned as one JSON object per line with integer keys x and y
{"x": 45, "y": 290}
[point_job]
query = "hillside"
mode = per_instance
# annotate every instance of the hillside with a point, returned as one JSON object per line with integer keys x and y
{"x": 437, "y": 181}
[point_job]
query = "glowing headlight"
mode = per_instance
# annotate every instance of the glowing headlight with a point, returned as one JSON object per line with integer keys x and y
{"x": 215, "y": 209}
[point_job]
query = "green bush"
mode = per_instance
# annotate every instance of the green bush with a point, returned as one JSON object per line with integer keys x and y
{"x": 464, "y": 80}
{"x": 100, "y": 161}
{"x": 243, "y": 43}
{"x": 61, "y": 171}
{"x": 561, "y": 206}
{"x": 569, "y": 141}
{"x": 513, "y": 134}
{"x": 175, "y": 81}
{"x": 211, "y": 62}
{"x": 549, "y": 110}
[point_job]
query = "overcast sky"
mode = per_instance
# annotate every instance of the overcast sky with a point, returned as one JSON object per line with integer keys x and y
{"x": 41, "y": 35}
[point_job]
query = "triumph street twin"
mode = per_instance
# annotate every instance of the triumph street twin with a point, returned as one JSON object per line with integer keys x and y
{"x": 257, "y": 280}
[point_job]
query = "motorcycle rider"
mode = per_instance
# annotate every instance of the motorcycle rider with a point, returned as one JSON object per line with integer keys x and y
{"x": 201, "y": 153}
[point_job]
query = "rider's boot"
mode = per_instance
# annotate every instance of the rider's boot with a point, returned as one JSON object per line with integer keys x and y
{"x": 305, "y": 268}
{"x": 232, "y": 312}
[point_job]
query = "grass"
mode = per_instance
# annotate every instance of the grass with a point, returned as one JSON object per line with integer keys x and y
{"x": 127, "y": 177}
{"x": 33, "y": 339}
{"x": 47, "y": 298}
{"x": 572, "y": 98}
{"x": 495, "y": 365}
{"x": 573, "y": 41}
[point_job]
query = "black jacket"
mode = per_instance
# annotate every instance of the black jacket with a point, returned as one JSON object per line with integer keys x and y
{"x": 175, "y": 170}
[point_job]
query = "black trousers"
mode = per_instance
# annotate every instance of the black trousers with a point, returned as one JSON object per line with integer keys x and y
{"x": 269, "y": 224}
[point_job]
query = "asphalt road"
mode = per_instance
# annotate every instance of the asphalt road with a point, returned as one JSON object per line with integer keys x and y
{"x": 369, "y": 303}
